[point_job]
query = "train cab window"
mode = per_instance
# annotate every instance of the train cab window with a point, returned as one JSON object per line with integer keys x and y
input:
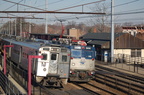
{"x": 88, "y": 54}
{"x": 64, "y": 58}
{"x": 53, "y": 56}
{"x": 44, "y": 56}
{"x": 76, "y": 53}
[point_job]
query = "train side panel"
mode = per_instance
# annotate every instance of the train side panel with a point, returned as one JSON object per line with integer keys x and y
{"x": 64, "y": 63}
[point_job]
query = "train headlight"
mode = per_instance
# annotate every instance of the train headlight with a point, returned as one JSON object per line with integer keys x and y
{"x": 44, "y": 69}
{"x": 92, "y": 72}
{"x": 73, "y": 64}
{"x": 61, "y": 71}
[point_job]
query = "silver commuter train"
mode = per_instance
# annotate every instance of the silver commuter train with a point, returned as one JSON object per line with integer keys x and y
{"x": 52, "y": 69}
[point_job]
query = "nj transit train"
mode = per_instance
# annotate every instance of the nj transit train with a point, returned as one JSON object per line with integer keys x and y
{"x": 52, "y": 69}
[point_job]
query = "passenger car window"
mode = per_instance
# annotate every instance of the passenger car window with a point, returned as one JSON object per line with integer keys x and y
{"x": 64, "y": 58}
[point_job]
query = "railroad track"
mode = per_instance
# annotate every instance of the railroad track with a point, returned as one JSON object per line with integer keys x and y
{"x": 124, "y": 82}
{"x": 96, "y": 88}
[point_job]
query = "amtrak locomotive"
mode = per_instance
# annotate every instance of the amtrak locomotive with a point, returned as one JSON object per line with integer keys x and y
{"x": 52, "y": 69}
{"x": 82, "y": 64}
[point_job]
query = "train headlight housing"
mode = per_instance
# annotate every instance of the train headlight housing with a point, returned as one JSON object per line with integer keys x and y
{"x": 72, "y": 72}
{"x": 61, "y": 71}
{"x": 92, "y": 72}
{"x": 44, "y": 69}
{"x": 73, "y": 64}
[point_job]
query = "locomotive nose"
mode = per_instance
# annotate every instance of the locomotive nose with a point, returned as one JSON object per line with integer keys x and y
{"x": 82, "y": 75}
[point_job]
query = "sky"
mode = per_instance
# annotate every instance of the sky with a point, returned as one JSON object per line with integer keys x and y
{"x": 124, "y": 10}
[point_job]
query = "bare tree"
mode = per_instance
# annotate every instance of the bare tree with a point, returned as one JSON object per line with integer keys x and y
{"x": 100, "y": 21}
{"x": 71, "y": 24}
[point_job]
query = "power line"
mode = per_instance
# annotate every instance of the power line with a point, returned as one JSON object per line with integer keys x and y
{"x": 134, "y": 10}
{"x": 13, "y": 5}
{"x": 106, "y": 15}
{"x": 126, "y": 3}
{"x": 49, "y": 4}
{"x": 80, "y": 5}
{"x": 24, "y": 5}
{"x": 109, "y": 7}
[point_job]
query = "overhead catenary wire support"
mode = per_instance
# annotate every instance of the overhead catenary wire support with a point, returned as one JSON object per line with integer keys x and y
{"x": 82, "y": 4}
{"x": 46, "y": 25}
{"x": 21, "y": 17}
{"x": 77, "y": 5}
{"x": 110, "y": 7}
{"x": 115, "y": 14}
{"x": 112, "y": 31}
{"x": 52, "y": 12}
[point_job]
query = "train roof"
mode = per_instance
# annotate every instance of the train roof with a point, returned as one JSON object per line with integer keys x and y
{"x": 32, "y": 45}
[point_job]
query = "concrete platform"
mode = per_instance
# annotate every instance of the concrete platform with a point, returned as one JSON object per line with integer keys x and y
{"x": 123, "y": 67}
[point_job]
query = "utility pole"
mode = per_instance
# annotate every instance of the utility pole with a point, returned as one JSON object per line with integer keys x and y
{"x": 9, "y": 28}
{"x": 15, "y": 27}
{"x": 20, "y": 27}
{"x": 112, "y": 31}
{"x": 46, "y": 25}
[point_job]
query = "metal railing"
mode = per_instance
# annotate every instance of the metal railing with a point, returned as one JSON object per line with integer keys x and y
{"x": 8, "y": 87}
{"x": 125, "y": 62}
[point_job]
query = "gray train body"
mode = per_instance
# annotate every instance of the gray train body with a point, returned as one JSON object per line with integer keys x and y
{"x": 51, "y": 69}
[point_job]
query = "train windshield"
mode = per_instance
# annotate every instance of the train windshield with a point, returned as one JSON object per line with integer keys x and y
{"x": 64, "y": 58}
{"x": 76, "y": 53}
{"x": 53, "y": 56}
{"x": 44, "y": 56}
{"x": 88, "y": 54}
{"x": 82, "y": 53}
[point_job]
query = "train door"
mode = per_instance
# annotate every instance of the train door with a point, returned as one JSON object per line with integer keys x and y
{"x": 43, "y": 64}
{"x": 53, "y": 65}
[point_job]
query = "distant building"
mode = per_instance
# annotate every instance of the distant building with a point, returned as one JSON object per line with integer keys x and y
{"x": 133, "y": 30}
{"x": 124, "y": 45}
{"x": 76, "y": 33}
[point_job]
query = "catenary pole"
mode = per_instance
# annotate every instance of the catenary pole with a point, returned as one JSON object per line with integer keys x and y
{"x": 112, "y": 31}
{"x": 46, "y": 25}
{"x": 30, "y": 57}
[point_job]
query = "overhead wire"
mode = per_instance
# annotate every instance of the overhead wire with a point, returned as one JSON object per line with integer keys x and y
{"x": 80, "y": 5}
{"x": 117, "y": 13}
{"x": 48, "y": 4}
{"x": 84, "y": 17}
{"x": 109, "y": 7}
{"x": 126, "y": 3}
{"x": 12, "y": 5}
{"x": 25, "y": 5}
